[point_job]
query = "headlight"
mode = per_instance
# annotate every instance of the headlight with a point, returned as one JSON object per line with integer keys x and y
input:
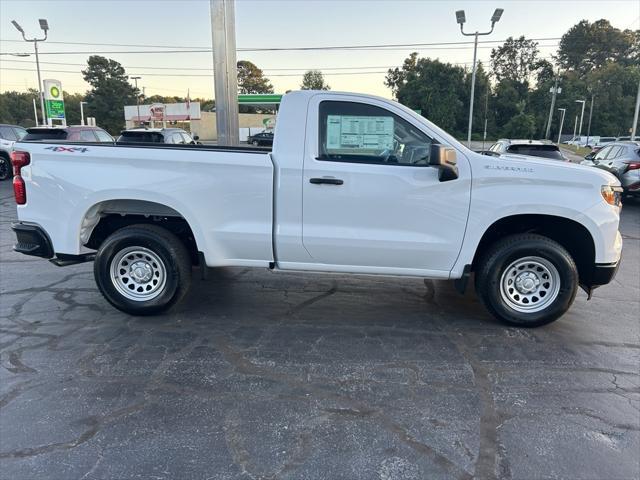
{"x": 612, "y": 195}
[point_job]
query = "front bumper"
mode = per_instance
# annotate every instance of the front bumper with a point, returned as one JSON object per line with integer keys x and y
{"x": 603, "y": 273}
{"x": 32, "y": 240}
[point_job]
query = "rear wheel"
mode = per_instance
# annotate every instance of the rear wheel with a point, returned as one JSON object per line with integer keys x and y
{"x": 5, "y": 167}
{"x": 527, "y": 280}
{"x": 142, "y": 269}
{"x": 255, "y": 143}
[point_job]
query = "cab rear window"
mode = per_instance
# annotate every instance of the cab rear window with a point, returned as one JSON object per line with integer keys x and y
{"x": 544, "y": 151}
{"x": 45, "y": 134}
{"x": 141, "y": 137}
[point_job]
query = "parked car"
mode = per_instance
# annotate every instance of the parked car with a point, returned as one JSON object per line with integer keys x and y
{"x": 71, "y": 133}
{"x": 9, "y": 134}
{"x": 157, "y": 135}
{"x": 531, "y": 148}
{"x": 356, "y": 184}
{"x": 623, "y": 160}
{"x": 262, "y": 139}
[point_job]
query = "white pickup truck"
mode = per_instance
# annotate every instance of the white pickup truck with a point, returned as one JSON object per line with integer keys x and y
{"x": 354, "y": 184}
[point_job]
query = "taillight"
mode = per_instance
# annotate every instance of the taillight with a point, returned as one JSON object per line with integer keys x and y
{"x": 18, "y": 160}
{"x": 19, "y": 190}
{"x": 633, "y": 166}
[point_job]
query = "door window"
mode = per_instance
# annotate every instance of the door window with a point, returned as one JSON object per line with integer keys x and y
{"x": 87, "y": 136}
{"x": 8, "y": 134}
{"x": 601, "y": 155}
{"x": 186, "y": 138}
{"x": 177, "y": 138}
{"x": 614, "y": 152}
{"x": 103, "y": 136}
{"x": 362, "y": 133}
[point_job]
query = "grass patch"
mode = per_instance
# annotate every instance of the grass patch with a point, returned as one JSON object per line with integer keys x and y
{"x": 582, "y": 151}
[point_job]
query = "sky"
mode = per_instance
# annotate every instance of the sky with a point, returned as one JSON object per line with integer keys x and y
{"x": 160, "y": 25}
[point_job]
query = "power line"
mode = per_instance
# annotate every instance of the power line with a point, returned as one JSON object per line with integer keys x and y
{"x": 208, "y": 69}
{"x": 273, "y": 49}
{"x": 147, "y": 52}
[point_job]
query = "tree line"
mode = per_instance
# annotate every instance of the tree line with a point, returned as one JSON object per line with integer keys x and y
{"x": 593, "y": 61}
{"x": 512, "y": 93}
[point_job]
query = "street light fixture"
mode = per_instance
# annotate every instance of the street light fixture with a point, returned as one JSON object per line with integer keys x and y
{"x": 581, "y": 116}
{"x": 135, "y": 79}
{"x": 44, "y": 25}
{"x": 461, "y": 19}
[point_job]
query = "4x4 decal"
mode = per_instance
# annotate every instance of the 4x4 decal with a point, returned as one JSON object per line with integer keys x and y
{"x": 68, "y": 149}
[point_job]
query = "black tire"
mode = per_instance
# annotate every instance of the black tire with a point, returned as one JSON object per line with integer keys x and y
{"x": 505, "y": 254}
{"x": 5, "y": 167}
{"x": 173, "y": 270}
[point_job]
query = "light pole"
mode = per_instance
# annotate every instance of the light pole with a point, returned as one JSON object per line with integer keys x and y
{"x": 45, "y": 27}
{"x": 135, "y": 79}
{"x": 634, "y": 127}
{"x": 575, "y": 127}
{"x": 563, "y": 110}
{"x": 581, "y": 116}
{"x": 590, "y": 114}
{"x": 82, "y": 113}
{"x": 460, "y": 18}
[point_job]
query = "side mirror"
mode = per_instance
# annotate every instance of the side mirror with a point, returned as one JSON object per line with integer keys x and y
{"x": 444, "y": 159}
{"x": 196, "y": 138}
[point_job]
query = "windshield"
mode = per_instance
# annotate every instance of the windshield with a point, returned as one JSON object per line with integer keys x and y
{"x": 544, "y": 151}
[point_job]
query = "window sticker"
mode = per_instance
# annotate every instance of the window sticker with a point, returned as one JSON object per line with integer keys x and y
{"x": 352, "y": 132}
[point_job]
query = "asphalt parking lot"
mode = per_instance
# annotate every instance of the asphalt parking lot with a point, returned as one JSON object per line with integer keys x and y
{"x": 261, "y": 375}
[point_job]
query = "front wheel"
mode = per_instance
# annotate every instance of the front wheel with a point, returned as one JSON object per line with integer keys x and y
{"x": 5, "y": 167}
{"x": 142, "y": 269}
{"x": 527, "y": 280}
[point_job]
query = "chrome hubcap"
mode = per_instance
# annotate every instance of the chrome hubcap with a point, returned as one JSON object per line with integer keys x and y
{"x": 138, "y": 273}
{"x": 530, "y": 284}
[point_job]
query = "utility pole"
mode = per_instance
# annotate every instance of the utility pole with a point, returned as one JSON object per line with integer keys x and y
{"x": 563, "y": 110}
{"x": 486, "y": 113}
{"x": 575, "y": 127}
{"x": 554, "y": 90}
{"x": 590, "y": 114}
{"x": 44, "y": 25}
{"x": 223, "y": 37}
{"x": 135, "y": 79}
{"x": 460, "y": 18}
{"x": 634, "y": 127}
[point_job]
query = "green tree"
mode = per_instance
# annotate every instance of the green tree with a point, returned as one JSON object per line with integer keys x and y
{"x": 314, "y": 80}
{"x": 110, "y": 92}
{"x": 436, "y": 88}
{"x": 588, "y": 46}
{"x": 72, "y": 107}
{"x": 515, "y": 60}
{"x": 251, "y": 79}
{"x": 16, "y": 108}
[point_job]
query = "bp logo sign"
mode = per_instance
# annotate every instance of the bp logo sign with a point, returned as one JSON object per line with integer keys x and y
{"x": 54, "y": 103}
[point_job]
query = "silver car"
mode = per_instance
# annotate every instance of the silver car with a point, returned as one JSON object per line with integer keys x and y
{"x": 623, "y": 160}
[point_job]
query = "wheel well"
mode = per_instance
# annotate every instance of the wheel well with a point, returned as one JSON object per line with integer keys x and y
{"x": 570, "y": 234}
{"x": 106, "y": 217}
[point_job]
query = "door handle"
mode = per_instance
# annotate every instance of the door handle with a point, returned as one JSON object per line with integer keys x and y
{"x": 328, "y": 181}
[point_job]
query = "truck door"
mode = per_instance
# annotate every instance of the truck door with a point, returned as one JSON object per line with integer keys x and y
{"x": 370, "y": 199}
